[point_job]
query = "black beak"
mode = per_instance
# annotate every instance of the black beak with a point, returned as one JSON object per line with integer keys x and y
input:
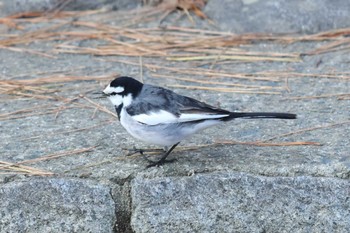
{"x": 100, "y": 95}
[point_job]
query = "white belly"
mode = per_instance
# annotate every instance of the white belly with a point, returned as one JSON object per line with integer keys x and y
{"x": 162, "y": 134}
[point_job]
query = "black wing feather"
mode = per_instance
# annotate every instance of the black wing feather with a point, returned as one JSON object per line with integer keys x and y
{"x": 154, "y": 98}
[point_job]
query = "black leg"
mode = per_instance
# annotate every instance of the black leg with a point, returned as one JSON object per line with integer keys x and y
{"x": 141, "y": 151}
{"x": 133, "y": 151}
{"x": 163, "y": 159}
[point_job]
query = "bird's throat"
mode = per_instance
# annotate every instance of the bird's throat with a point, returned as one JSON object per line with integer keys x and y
{"x": 118, "y": 109}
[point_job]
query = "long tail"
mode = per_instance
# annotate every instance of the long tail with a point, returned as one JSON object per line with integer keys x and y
{"x": 254, "y": 115}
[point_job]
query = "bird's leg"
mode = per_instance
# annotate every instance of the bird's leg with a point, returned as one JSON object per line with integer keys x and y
{"x": 135, "y": 150}
{"x": 163, "y": 159}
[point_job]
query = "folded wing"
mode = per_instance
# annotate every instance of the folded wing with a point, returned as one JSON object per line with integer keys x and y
{"x": 162, "y": 106}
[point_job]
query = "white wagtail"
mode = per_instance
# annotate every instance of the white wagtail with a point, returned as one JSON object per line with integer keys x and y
{"x": 160, "y": 116}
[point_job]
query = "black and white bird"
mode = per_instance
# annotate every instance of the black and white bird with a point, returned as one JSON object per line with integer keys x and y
{"x": 160, "y": 116}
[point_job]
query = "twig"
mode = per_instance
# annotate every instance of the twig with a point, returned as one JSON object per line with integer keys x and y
{"x": 23, "y": 169}
{"x": 30, "y": 51}
{"x": 306, "y": 130}
{"x": 65, "y": 132}
{"x": 319, "y": 96}
{"x": 141, "y": 68}
{"x": 271, "y": 144}
{"x": 57, "y": 155}
{"x": 240, "y": 58}
{"x": 249, "y": 87}
{"x": 101, "y": 108}
{"x": 223, "y": 89}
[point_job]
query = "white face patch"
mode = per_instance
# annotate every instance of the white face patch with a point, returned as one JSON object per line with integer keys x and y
{"x": 127, "y": 100}
{"x": 116, "y": 99}
{"x": 108, "y": 90}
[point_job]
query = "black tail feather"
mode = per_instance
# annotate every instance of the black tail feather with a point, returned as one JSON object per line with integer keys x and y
{"x": 254, "y": 115}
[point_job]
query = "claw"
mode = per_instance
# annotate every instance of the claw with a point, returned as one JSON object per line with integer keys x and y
{"x": 135, "y": 150}
{"x": 163, "y": 159}
{"x": 159, "y": 162}
{"x": 152, "y": 163}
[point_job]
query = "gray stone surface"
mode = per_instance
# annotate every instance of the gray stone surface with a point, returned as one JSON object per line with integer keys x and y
{"x": 237, "y": 202}
{"x": 56, "y": 205}
{"x": 8, "y": 7}
{"x": 284, "y": 185}
{"x": 279, "y": 16}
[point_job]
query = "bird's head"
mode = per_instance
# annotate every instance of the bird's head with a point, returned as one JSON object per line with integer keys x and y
{"x": 122, "y": 90}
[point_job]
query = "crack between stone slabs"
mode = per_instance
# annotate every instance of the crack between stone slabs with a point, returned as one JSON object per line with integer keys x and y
{"x": 207, "y": 171}
{"x": 122, "y": 212}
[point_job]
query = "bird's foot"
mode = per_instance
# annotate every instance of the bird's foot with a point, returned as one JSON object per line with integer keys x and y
{"x": 135, "y": 150}
{"x": 159, "y": 162}
{"x": 152, "y": 163}
{"x": 163, "y": 159}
